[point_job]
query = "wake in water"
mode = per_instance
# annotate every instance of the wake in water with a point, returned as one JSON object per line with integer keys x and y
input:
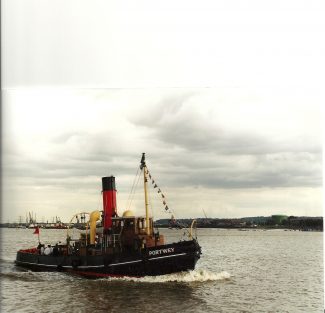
{"x": 25, "y": 275}
{"x": 9, "y": 271}
{"x": 199, "y": 275}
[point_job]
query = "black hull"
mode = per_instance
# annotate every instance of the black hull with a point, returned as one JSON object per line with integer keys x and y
{"x": 160, "y": 260}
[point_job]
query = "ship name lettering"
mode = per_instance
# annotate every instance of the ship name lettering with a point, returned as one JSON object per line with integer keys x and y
{"x": 161, "y": 251}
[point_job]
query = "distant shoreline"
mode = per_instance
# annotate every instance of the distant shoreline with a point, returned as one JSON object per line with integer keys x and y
{"x": 252, "y": 229}
{"x": 298, "y": 223}
{"x": 290, "y": 223}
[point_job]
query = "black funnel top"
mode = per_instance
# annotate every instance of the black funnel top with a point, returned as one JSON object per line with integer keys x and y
{"x": 108, "y": 183}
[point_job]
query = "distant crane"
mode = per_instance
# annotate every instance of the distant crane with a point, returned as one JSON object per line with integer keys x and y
{"x": 204, "y": 213}
{"x": 32, "y": 220}
{"x": 207, "y": 221}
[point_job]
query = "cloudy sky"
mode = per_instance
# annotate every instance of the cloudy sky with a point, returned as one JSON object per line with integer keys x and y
{"x": 224, "y": 98}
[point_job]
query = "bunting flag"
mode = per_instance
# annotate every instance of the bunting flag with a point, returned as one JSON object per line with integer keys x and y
{"x": 159, "y": 191}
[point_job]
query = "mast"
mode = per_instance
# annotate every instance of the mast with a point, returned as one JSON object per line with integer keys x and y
{"x": 144, "y": 167}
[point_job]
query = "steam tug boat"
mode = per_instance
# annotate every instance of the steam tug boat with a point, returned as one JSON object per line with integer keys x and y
{"x": 116, "y": 246}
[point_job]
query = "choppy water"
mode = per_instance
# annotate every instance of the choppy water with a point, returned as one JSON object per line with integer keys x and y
{"x": 251, "y": 271}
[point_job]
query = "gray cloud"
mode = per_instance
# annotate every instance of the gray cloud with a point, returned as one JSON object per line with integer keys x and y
{"x": 188, "y": 148}
{"x": 183, "y": 146}
{"x": 202, "y": 152}
{"x": 175, "y": 121}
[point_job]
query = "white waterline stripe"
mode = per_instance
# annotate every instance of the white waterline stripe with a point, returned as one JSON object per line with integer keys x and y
{"x": 137, "y": 261}
{"x": 167, "y": 256}
{"x": 114, "y": 264}
{"x": 48, "y": 265}
{"x": 53, "y": 265}
{"x": 87, "y": 266}
{"x": 92, "y": 266}
{"x": 81, "y": 266}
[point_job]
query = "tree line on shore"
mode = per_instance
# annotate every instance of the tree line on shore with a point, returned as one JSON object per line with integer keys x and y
{"x": 274, "y": 221}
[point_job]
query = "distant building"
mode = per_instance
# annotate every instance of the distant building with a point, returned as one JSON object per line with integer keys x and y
{"x": 278, "y": 219}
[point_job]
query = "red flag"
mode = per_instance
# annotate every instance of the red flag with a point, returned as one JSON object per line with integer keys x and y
{"x": 36, "y": 231}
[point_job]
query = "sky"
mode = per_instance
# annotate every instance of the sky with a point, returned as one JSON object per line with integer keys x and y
{"x": 225, "y": 99}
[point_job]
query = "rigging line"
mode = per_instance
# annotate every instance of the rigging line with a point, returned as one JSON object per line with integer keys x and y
{"x": 169, "y": 211}
{"x": 184, "y": 226}
{"x": 133, "y": 185}
{"x": 132, "y": 195}
{"x": 150, "y": 202}
{"x": 164, "y": 201}
{"x": 135, "y": 177}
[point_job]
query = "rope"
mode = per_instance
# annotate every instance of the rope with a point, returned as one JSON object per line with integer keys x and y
{"x": 163, "y": 198}
{"x": 133, "y": 189}
{"x": 131, "y": 192}
{"x": 164, "y": 201}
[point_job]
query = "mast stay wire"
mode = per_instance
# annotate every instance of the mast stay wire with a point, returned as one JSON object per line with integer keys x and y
{"x": 130, "y": 194}
{"x": 133, "y": 189}
{"x": 168, "y": 210}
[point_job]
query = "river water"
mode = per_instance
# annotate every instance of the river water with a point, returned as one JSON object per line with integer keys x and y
{"x": 239, "y": 271}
